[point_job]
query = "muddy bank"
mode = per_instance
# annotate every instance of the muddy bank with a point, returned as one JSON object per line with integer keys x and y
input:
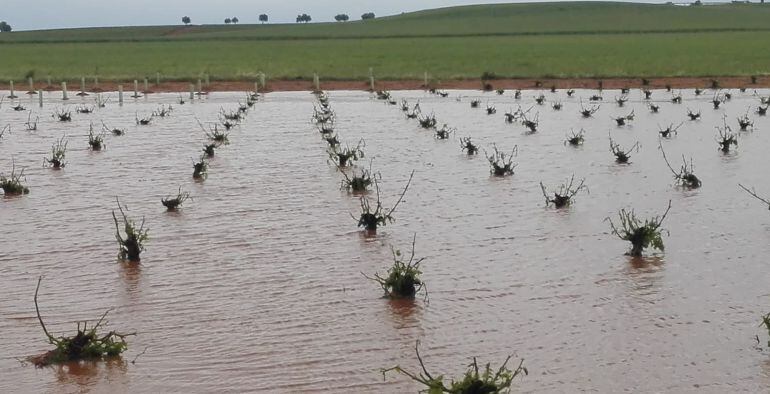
{"x": 528, "y": 83}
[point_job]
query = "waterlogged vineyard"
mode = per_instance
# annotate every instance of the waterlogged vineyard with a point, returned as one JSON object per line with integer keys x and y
{"x": 254, "y": 283}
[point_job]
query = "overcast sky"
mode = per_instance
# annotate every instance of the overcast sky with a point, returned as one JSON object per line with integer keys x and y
{"x": 48, "y": 14}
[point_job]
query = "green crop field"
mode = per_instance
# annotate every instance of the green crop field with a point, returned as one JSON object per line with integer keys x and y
{"x": 512, "y": 40}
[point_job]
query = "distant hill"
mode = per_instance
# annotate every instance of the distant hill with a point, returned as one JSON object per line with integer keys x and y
{"x": 478, "y": 20}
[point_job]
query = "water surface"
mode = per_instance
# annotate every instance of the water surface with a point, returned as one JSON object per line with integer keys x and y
{"x": 256, "y": 284}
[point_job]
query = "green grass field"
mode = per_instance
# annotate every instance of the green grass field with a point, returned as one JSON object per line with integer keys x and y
{"x": 512, "y": 40}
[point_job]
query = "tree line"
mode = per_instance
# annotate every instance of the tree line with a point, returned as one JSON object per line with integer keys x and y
{"x": 264, "y": 18}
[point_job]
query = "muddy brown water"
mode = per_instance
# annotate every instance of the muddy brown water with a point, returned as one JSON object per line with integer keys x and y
{"x": 256, "y": 285}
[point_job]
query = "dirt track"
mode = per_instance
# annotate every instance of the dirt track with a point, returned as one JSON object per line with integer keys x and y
{"x": 300, "y": 85}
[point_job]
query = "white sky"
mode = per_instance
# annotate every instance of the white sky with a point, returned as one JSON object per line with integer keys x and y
{"x": 48, "y": 14}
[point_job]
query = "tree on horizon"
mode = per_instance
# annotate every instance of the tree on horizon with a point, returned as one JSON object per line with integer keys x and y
{"x": 342, "y": 18}
{"x": 186, "y": 20}
{"x": 304, "y": 18}
{"x": 263, "y": 18}
{"x": 5, "y": 27}
{"x": 228, "y": 21}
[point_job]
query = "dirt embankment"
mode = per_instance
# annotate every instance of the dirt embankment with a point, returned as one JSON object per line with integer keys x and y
{"x": 468, "y": 84}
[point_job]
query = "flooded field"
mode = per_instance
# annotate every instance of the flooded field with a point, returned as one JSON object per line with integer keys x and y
{"x": 256, "y": 284}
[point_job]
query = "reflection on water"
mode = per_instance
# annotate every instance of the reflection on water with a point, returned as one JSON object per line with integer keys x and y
{"x": 643, "y": 277}
{"x": 131, "y": 273}
{"x": 90, "y": 376}
{"x": 405, "y": 312}
{"x": 255, "y": 284}
{"x": 644, "y": 264}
